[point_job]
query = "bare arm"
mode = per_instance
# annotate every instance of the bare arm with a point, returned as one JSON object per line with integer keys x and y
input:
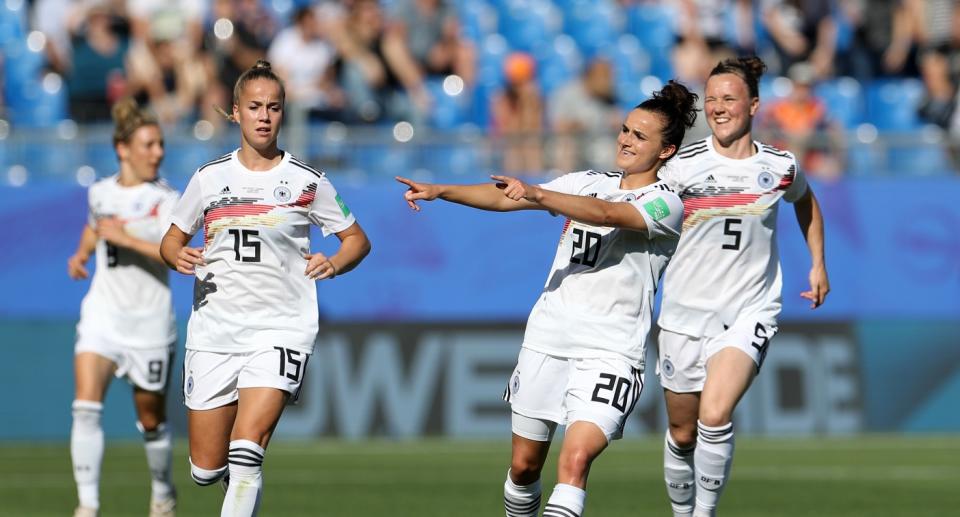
{"x": 354, "y": 246}
{"x": 176, "y": 254}
{"x": 112, "y": 230}
{"x": 76, "y": 264}
{"x": 485, "y": 196}
{"x": 585, "y": 209}
{"x": 810, "y": 220}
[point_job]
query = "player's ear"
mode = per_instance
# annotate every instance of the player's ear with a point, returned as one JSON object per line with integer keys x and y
{"x": 667, "y": 151}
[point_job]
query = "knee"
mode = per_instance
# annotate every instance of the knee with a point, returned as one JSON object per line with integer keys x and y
{"x": 206, "y": 476}
{"x": 149, "y": 423}
{"x": 713, "y": 416}
{"x": 575, "y": 463}
{"x": 525, "y": 470}
{"x": 684, "y": 435}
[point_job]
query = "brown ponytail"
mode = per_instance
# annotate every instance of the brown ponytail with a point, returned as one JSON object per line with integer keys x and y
{"x": 128, "y": 117}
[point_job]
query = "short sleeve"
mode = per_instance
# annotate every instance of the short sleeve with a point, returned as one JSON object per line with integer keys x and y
{"x": 567, "y": 184}
{"x": 329, "y": 211}
{"x": 670, "y": 174}
{"x": 798, "y": 187}
{"x": 91, "y": 215}
{"x": 663, "y": 212}
{"x": 166, "y": 208}
{"x": 187, "y": 213}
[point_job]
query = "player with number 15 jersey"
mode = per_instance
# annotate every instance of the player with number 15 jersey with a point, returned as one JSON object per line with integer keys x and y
{"x": 256, "y": 228}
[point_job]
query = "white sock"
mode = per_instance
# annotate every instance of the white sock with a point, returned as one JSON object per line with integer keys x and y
{"x": 86, "y": 450}
{"x": 521, "y": 501}
{"x": 678, "y": 474}
{"x": 159, "y": 448}
{"x": 712, "y": 460}
{"x": 204, "y": 477}
{"x": 565, "y": 501}
{"x": 246, "y": 480}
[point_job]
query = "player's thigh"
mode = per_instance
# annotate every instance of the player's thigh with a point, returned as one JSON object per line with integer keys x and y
{"x": 151, "y": 408}
{"x": 209, "y": 434}
{"x": 92, "y": 375}
{"x": 267, "y": 381}
{"x": 602, "y": 392}
{"x": 683, "y": 409}
{"x": 680, "y": 362}
{"x": 536, "y": 391}
{"x": 729, "y": 373}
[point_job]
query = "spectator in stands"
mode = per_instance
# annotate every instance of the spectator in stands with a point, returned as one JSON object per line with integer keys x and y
{"x": 376, "y": 70}
{"x": 882, "y": 41}
{"x": 802, "y": 30}
{"x": 431, "y": 31}
{"x": 518, "y": 116}
{"x": 166, "y": 70}
{"x": 228, "y": 54}
{"x": 937, "y": 29}
{"x": 97, "y": 75}
{"x": 584, "y": 116}
{"x": 52, "y": 18}
{"x": 800, "y": 122}
{"x": 707, "y": 32}
{"x": 304, "y": 60}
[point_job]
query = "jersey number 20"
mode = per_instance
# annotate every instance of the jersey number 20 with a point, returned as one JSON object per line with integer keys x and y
{"x": 586, "y": 248}
{"x": 250, "y": 239}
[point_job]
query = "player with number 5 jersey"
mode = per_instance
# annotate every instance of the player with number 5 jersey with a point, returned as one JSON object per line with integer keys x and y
{"x": 582, "y": 360}
{"x": 255, "y": 316}
{"x": 721, "y": 294}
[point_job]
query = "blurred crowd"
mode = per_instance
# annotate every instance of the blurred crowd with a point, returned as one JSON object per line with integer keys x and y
{"x": 369, "y": 61}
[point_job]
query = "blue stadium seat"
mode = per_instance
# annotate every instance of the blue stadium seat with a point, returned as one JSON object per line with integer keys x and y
{"x": 654, "y": 26}
{"x": 595, "y": 25}
{"x": 557, "y": 63}
{"x": 477, "y": 19}
{"x": 892, "y": 104}
{"x": 528, "y": 23}
{"x": 631, "y": 63}
{"x": 844, "y": 100}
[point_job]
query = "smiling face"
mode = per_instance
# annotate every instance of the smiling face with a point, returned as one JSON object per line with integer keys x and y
{"x": 143, "y": 153}
{"x": 259, "y": 111}
{"x": 729, "y": 107}
{"x": 640, "y": 146}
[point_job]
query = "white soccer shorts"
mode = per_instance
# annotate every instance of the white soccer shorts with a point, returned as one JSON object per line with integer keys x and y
{"x": 682, "y": 359}
{"x": 211, "y": 379}
{"x": 145, "y": 368}
{"x": 562, "y": 391}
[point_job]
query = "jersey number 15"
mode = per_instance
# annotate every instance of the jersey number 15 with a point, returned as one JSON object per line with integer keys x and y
{"x": 247, "y": 239}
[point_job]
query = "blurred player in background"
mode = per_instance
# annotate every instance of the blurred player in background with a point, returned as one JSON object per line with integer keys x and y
{"x": 717, "y": 321}
{"x": 255, "y": 317}
{"x": 126, "y": 324}
{"x": 581, "y": 363}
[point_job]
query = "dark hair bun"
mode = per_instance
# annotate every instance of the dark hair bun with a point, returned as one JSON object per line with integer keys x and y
{"x": 262, "y": 64}
{"x": 753, "y": 65}
{"x": 681, "y": 98}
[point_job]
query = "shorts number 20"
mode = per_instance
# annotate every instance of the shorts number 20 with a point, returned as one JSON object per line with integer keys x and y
{"x": 620, "y": 388}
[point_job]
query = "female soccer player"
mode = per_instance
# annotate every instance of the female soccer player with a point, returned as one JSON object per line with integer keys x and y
{"x": 255, "y": 315}
{"x": 717, "y": 321}
{"x": 126, "y": 320}
{"x": 581, "y": 363}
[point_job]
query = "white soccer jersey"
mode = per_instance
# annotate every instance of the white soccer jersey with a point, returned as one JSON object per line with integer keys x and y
{"x": 727, "y": 262}
{"x": 129, "y": 299}
{"x": 252, "y": 293}
{"x": 598, "y": 299}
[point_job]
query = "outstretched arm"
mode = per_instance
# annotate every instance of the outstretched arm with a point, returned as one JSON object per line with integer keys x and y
{"x": 810, "y": 220}
{"x": 486, "y": 196}
{"x": 585, "y": 209}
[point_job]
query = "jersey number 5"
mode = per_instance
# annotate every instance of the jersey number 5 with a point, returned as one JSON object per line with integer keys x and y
{"x": 728, "y": 229}
{"x": 586, "y": 247}
{"x": 250, "y": 239}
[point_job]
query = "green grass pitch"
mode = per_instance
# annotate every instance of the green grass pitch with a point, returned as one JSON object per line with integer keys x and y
{"x": 875, "y": 476}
